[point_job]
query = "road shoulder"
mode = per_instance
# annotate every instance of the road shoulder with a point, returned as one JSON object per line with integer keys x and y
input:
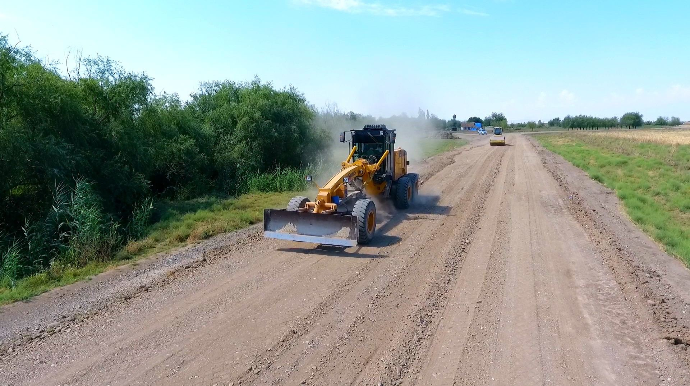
{"x": 652, "y": 280}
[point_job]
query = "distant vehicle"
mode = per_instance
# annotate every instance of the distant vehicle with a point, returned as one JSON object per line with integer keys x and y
{"x": 498, "y": 139}
{"x": 481, "y": 132}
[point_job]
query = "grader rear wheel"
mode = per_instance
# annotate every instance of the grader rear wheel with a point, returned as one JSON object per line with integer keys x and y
{"x": 403, "y": 193}
{"x": 414, "y": 181}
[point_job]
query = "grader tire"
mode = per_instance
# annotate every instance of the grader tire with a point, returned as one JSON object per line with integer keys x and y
{"x": 365, "y": 212}
{"x": 414, "y": 180}
{"x": 297, "y": 203}
{"x": 403, "y": 193}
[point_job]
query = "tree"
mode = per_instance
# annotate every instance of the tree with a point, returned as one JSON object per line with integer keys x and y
{"x": 420, "y": 114}
{"x": 612, "y": 122}
{"x": 675, "y": 121}
{"x": 632, "y": 120}
{"x": 498, "y": 117}
{"x": 475, "y": 119}
{"x": 454, "y": 123}
{"x": 661, "y": 121}
{"x": 494, "y": 119}
{"x": 531, "y": 125}
{"x": 438, "y": 123}
{"x": 556, "y": 122}
{"x": 503, "y": 124}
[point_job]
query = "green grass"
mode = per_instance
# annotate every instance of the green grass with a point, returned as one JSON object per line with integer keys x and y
{"x": 651, "y": 179}
{"x": 54, "y": 277}
{"x": 186, "y": 222}
{"x": 435, "y": 146}
{"x": 178, "y": 224}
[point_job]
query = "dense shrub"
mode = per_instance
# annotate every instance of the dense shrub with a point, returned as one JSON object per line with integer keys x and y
{"x": 83, "y": 155}
{"x": 280, "y": 180}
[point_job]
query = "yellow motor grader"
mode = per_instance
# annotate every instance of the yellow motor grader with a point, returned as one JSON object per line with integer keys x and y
{"x": 342, "y": 213}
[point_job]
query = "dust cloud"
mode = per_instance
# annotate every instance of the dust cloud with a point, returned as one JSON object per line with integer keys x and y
{"x": 330, "y": 121}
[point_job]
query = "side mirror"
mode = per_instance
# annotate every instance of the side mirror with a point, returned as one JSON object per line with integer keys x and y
{"x": 342, "y": 137}
{"x": 408, "y": 162}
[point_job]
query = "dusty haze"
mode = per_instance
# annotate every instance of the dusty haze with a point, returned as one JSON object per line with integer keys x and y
{"x": 411, "y": 132}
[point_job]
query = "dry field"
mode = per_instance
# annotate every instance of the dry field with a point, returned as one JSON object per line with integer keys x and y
{"x": 662, "y": 136}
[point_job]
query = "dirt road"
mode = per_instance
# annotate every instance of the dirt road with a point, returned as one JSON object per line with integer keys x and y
{"x": 514, "y": 270}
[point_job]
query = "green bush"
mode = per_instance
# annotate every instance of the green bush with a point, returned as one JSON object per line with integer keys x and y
{"x": 280, "y": 180}
{"x": 141, "y": 218}
{"x": 84, "y": 157}
{"x": 92, "y": 236}
{"x": 9, "y": 270}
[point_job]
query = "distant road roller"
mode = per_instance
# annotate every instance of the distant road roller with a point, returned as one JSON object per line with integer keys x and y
{"x": 343, "y": 213}
{"x": 498, "y": 139}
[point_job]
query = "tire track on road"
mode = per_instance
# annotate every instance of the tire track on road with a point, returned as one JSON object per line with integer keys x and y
{"x": 413, "y": 338}
{"x": 482, "y": 345}
{"x": 368, "y": 289}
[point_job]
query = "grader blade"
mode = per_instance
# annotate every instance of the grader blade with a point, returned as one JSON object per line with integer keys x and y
{"x": 327, "y": 229}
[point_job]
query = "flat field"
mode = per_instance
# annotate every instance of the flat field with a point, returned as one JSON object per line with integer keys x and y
{"x": 648, "y": 169}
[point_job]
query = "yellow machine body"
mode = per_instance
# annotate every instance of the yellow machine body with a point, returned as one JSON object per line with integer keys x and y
{"x": 341, "y": 214}
{"x": 498, "y": 139}
{"x": 336, "y": 187}
{"x": 400, "y": 160}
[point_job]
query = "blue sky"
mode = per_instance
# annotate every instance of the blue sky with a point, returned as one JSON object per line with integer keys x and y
{"x": 531, "y": 59}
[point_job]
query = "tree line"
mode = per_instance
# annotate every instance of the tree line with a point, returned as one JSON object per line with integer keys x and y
{"x": 665, "y": 121}
{"x": 495, "y": 119}
{"x": 631, "y": 120}
{"x": 84, "y": 154}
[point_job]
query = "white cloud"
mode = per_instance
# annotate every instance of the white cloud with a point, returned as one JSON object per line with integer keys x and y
{"x": 678, "y": 93}
{"x": 375, "y": 8}
{"x": 567, "y": 96}
{"x": 673, "y": 94}
{"x": 340, "y": 5}
{"x": 472, "y": 13}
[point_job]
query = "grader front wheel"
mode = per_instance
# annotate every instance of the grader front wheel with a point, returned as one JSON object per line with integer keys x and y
{"x": 296, "y": 203}
{"x": 365, "y": 212}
